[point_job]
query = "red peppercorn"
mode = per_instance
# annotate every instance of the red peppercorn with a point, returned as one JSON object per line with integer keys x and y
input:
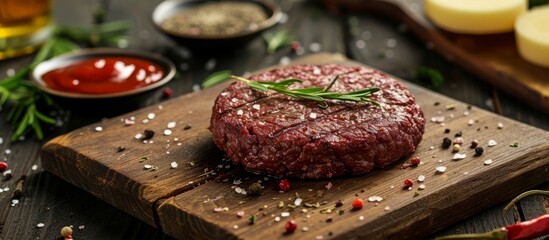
{"x": 358, "y": 203}
{"x": 167, "y": 92}
{"x": 291, "y": 226}
{"x": 295, "y": 45}
{"x": 408, "y": 183}
{"x": 415, "y": 161}
{"x": 68, "y": 237}
{"x": 3, "y": 166}
{"x": 284, "y": 185}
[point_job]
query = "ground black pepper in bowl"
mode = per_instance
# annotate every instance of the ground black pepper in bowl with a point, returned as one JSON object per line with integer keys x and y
{"x": 218, "y": 25}
{"x": 216, "y": 18}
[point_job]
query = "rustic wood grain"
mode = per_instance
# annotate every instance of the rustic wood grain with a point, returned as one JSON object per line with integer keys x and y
{"x": 86, "y": 159}
{"x": 493, "y": 57}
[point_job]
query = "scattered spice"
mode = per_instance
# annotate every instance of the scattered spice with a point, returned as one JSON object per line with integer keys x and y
{"x": 66, "y": 232}
{"x": 19, "y": 188}
{"x": 416, "y": 194}
{"x": 514, "y": 145}
{"x": 474, "y": 144}
{"x": 255, "y": 189}
{"x": 358, "y": 203}
{"x": 7, "y": 175}
{"x": 479, "y": 151}
{"x": 458, "y": 134}
{"x": 339, "y": 203}
{"x": 120, "y": 149}
{"x": 252, "y": 220}
{"x": 167, "y": 92}
{"x": 3, "y": 166}
{"x": 446, "y": 143}
{"x": 187, "y": 127}
{"x": 147, "y": 134}
{"x": 447, "y": 130}
{"x": 415, "y": 161}
{"x": 284, "y": 185}
{"x": 408, "y": 183}
{"x": 290, "y": 226}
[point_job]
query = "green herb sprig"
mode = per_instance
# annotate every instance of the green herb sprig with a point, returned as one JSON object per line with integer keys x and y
{"x": 23, "y": 98}
{"x": 318, "y": 94}
{"x": 277, "y": 40}
{"x": 432, "y": 75}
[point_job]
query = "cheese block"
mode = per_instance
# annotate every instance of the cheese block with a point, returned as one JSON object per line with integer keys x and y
{"x": 475, "y": 16}
{"x": 532, "y": 34}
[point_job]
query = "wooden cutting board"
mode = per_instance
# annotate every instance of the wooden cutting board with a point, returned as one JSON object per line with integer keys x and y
{"x": 492, "y": 57}
{"x": 181, "y": 201}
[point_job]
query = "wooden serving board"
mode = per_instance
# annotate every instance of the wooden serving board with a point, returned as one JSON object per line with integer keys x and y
{"x": 492, "y": 57}
{"x": 181, "y": 201}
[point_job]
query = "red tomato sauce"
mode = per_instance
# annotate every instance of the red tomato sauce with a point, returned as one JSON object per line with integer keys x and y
{"x": 101, "y": 75}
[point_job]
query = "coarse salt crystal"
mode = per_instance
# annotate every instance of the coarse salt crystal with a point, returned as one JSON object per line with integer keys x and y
{"x": 235, "y": 226}
{"x": 81, "y": 227}
{"x": 167, "y": 132}
{"x": 466, "y": 113}
{"x": 387, "y": 208}
{"x": 173, "y": 165}
{"x": 284, "y": 60}
{"x": 40, "y": 225}
{"x": 459, "y": 156}
{"x": 151, "y": 116}
{"x": 421, "y": 178}
{"x": 315, "y": 47}
{"x": 34, "y": 167}
{"x": 319, "y": 237}
{"x": 138, "y": 136}
{"x": 312, "y": 115}
{"x": 488, "y": 162}
{"x": 1, "y": 140}
{"x": 285, "y": 214}
{"x": 492, "y": 143}
{"x": 171, "y": 124}
{"x": 421, "y": 187}
{"x": 305, "y": 229}
{"x": 361, "y": 218}
{"x": 277, "y": 219}
{"x": 256, "y": 107}
{"x": 441, "y": 169}
{"x": 239, "y": 112}
{"x": 328, "y": 185}
{"x": 238, "y": 190}
{"x": 298, "y": 201}
{"x": 375, "y": 199}
{"x": 145, "y": 121}
{"x": 240, "y": 213}
{"x": 147, "y": 166}
{"x": 500, "y": 125}
{"x": 98, "y": 129}
{"x": 471, "y": 122}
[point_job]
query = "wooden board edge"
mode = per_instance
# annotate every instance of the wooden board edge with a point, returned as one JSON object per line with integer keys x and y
{"x": 55, "y": 157}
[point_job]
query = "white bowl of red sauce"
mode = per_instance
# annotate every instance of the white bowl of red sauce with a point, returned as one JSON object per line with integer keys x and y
{"x": 102, "y": 73}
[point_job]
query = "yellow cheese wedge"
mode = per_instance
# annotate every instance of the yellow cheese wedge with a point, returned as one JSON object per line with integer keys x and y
{"x": 532, "y": 34}
{"x": 475, "y": 16}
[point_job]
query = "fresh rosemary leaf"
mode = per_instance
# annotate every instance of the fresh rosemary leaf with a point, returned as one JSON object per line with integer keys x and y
{"x": 277, "y": 40}
{"x": 432, "y": 75}
{"x": 318, "y": 94}
{"x": 258, "y": 86}
{"x": 216, "y": 78}
{"x": 12, "y": 82}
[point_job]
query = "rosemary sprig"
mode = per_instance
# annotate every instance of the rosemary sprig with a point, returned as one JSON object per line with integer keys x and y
{"x": 432, "y": 75}
{"x": 318, "y": 94}
{"x": 277, "y": 40}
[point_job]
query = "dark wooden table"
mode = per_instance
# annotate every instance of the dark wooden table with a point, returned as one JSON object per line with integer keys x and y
{"x": 372, "y": 40}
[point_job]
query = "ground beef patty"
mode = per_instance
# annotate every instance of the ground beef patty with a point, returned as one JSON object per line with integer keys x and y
{"x": 282, "y": 136}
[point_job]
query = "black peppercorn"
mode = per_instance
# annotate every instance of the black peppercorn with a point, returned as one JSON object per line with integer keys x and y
{"x": 474, "y": 144}
{"x": 447, "y": 130}
{"x": 479, "y": 151}
{"x": 255, "y": 189}
{"x": 148, "y": 134}
{"x": 458, "y": 134}
{"x": 446, "y": 143}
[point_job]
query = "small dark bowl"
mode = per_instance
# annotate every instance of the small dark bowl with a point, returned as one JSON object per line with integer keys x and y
{"x": 113, "y": 102}
{"x": 208, "y": 42}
